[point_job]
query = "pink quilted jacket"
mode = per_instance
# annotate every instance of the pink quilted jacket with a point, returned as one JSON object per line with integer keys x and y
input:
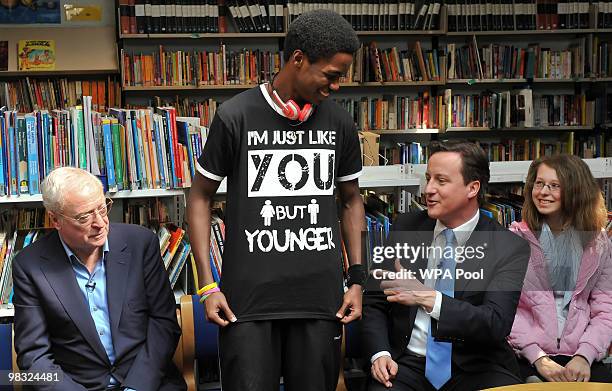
{"x": 588, "y": 328}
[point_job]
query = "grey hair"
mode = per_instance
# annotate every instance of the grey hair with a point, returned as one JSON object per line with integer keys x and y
{"x": 65, "y": 180}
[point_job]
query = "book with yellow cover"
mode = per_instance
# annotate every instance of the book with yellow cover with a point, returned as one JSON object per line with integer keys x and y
{"x": 36, "y": 55}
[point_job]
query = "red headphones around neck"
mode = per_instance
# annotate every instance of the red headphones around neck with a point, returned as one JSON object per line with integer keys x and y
{"x": 291, "y": 110}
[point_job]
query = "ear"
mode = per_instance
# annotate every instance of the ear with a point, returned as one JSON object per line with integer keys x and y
{"x": 473, "y": 189}
{"x": 298, "y": 58}
{"x": 55, "y": 220}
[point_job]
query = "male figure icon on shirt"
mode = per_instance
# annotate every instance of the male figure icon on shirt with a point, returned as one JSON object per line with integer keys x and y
{"x": 267, "y": 212}
{"x": 313, "y": 209}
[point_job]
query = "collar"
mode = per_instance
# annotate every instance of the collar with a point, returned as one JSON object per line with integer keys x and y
{"x": 70, "y": 253}
{"x": 462, "y": 232}
{"x": 264, "y": 91}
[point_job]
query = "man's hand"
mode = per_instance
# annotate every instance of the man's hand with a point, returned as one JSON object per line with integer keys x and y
{"x": 215, "y": 303}
{"x": 384, "y": 370}
{"x": 550, "y": 370}
{"x": 578, "y": 369}
{"x": 352, "y": 302}
{"x": 408, "y": 290}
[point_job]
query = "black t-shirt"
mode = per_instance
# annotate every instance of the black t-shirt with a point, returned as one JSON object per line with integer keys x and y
{"x": 282, "y": 254}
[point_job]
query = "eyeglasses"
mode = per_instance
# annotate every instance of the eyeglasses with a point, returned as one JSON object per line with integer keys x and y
{"x": 88, "y": 217}
{"x": 552, "y": 187}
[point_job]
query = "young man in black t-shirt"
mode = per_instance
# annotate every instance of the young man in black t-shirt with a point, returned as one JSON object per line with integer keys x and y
{"x": 284, "y": 148}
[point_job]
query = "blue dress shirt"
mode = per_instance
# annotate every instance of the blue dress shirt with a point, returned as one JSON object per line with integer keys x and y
{"x": 93, "y": 288}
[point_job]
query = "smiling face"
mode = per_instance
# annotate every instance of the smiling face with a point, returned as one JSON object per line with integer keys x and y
{"x": 315, "y": 81}
{"x": 546, "y": 193}
{"x": 449, "y": 198}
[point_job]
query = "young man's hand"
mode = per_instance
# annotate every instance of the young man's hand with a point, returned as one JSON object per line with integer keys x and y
{"x": 215, "y": 304}
{"x": 352, "y": 302}
{"x": 384, "y": 370}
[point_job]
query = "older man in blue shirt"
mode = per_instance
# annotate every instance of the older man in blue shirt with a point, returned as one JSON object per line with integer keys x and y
{"x": 92, "y": 300}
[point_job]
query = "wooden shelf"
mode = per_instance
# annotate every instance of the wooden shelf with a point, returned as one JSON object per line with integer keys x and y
{"x": 187, "y": 88}
{"x": 387, "y": 176}
{"x": 520, "y": 32}
{"x": 75, "y": 72}
{"x": 148, "y": 193}
{"x": 234, "y": 35}
{"x": 402, "y": 32}
{"x": 203, "y": 36}
{"x": 539, "y": 129}
{"x": 404, "y": 131}
{"x": 516, "y": 171}
{"x": 394, "y": 83}
{"x": 372, "y": 177}
{"x": 247, "y": 86}
{"x": 271, "y": 35}
{"x": 535, "y": 80}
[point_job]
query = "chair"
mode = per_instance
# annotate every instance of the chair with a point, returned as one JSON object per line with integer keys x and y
{"x": 555, "y": 387}
{"x": 198, "y": 342}
{"x": 8, "y": 357}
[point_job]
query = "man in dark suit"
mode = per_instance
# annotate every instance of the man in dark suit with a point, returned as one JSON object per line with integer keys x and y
{"x": 448, "y": 330}
{"x": 92, "y": 300}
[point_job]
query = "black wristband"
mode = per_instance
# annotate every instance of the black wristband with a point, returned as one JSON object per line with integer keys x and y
{"x": 356, "y": 275}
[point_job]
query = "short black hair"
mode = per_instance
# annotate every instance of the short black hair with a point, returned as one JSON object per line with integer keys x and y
{"x": 320, "y": 34}
{"x": 473, "y": 157}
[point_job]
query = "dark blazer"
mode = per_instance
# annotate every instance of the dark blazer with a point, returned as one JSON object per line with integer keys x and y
{"x": 55, "y": 331}
{"x": 480, "y": 316}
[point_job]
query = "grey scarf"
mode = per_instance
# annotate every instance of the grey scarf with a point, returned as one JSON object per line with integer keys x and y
{"x": 563, "y": 254}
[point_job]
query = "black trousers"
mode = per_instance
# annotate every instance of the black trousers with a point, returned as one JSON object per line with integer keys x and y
{"x": 306, "y": 352}
{"x": 411, "y": 377}
{"x": 599, "y": 372}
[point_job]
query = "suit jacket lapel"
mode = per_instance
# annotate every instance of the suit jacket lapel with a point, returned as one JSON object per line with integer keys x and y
{"x": 116, "y": 276}
{"x": 58, "y": 271}
{"x": 481, "y": 236}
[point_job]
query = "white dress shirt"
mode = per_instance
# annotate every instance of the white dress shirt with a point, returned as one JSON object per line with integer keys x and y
{"x": 418, "y": 339}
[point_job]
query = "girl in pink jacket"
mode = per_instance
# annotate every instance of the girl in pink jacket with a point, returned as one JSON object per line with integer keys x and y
{"x": 563, "y": 324}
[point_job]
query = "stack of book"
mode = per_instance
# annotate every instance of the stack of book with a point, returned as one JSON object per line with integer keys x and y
{"x": 372, "y": 64}
{"x": 392, "y": 112}
{"x": 197, "y": 68}
{"x": 175, "y": 250}
{"x": 509, "y": 15}
{"x": 378, "y": 15}
{"x": 519, "y": 108}
{"x": 168, "y": 16}
{"x": 496, "y": 61}
{"x": 217, "y": 242}
{"x": 251, "y": 16}
{"x": 29, "y": 94}
{"x": 127, "y": 149}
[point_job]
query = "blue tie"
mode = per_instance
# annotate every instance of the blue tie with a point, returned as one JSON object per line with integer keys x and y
{"x": 438, "y": 355}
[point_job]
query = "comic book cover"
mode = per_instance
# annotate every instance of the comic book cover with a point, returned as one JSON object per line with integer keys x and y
{"x": 35, "y": 55}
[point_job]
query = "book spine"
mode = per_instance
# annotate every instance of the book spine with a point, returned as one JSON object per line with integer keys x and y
{"x": 32, "y": 149}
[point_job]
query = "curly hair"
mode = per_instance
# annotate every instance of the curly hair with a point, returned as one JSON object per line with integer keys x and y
{"x": 582, "y": 203}
{"x": 320, "y": 34}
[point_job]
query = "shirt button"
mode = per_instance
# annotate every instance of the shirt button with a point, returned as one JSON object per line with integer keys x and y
{"x": 101, "y": 333}
{"x": 95, "y": 308}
